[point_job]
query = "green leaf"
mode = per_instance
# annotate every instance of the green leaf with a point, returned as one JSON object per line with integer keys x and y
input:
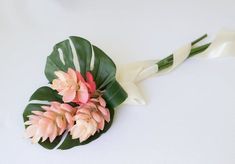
{"x": 104, "y": 69}
{"x": 46, "y": 94}
{"x": 37, "y": 107}
{"x": 67, "y": 54}
{"x": 69, "y": 142}
{"x": 83, "y": 49}
{"x": 114, "y": 94}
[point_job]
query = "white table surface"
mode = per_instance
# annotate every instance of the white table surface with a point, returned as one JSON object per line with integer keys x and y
{"x": 190, "y": 115}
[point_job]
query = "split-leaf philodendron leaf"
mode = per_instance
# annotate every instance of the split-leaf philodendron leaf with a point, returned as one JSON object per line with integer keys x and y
{"x": 78, "y": 53}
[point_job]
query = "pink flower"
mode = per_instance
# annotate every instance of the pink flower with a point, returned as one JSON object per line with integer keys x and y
{"x": 50, "y": 123}
{"x": 90, "y": 83}
{"x": 73, "y": 87}
{"x": 90, "y": 118}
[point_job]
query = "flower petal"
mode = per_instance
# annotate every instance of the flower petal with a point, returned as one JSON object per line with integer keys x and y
{"x": 102, "y": 101}
{"x": 96, "y": 116}
{"x": 80, "y": 78}
{"x": 61, "y": 75}
{"x": 82, "y": 94}
{"x": 69, "y": 95}
{"x": 72, "y": 74}
{"x": 91, "y": 82}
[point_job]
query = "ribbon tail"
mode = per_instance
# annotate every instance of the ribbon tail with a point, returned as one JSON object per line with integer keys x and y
{"x": 222, "y": 46}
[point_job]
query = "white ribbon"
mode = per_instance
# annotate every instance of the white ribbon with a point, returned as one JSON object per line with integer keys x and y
{"x": 222, "y": 46}
{"x": 130, "y": 75}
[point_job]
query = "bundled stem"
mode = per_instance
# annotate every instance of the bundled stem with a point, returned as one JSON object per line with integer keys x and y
{"x": 168, "y": 61}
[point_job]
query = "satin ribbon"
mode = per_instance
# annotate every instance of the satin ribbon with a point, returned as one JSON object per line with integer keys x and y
{"x": 131, "y": 74}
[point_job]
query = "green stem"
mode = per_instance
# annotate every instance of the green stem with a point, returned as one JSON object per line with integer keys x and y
{"x": 168, "y": 61}
{"x": 199, "y": 39}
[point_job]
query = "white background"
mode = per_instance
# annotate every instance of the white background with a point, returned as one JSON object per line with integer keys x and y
{"x": 190, "y": 115}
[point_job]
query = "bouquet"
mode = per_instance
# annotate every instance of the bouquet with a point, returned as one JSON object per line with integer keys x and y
{"x": 77, "y": 105}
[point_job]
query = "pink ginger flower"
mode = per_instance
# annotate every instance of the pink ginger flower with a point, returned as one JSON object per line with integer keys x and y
{"x": 73, "y": 87}
{"x": 90, "y": 118}
{"x": 50, "y": 123}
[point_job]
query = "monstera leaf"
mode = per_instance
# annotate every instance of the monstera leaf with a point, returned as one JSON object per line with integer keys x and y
{"x": 78, "y": 53}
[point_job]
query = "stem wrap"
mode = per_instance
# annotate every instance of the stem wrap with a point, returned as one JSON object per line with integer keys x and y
{"x": 129, "y": 75}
